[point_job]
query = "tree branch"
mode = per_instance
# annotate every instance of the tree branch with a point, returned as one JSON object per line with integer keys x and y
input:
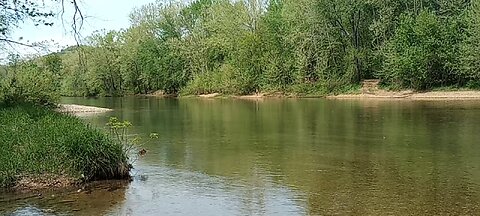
{"x": 16, "y": 42}
{"x": 77, "y": 19}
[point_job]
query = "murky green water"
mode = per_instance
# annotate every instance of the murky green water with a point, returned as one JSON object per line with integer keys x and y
{"x": 285, "y": 157}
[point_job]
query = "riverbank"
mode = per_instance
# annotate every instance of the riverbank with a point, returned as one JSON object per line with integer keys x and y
{"x": 380, "y": 94}
{"x": 410, "y": 95}
{"x": 42, "y": 148}
{"x": 370, "y": 89}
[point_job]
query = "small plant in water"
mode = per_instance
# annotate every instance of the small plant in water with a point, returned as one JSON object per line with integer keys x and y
{"x": 154, "y": 136}
{"x": 119, "y": 131}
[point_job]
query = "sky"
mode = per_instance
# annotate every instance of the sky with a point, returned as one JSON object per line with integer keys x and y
{"x": 99, "y": 14}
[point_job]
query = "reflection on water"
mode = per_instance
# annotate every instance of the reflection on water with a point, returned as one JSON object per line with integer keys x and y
{"x": 173, "y": 192}
{"x": 95, "y": 199}
{"x": 286, "y": 157}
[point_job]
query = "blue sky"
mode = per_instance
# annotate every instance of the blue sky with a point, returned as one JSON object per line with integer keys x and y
{"x": 100, "y": 14}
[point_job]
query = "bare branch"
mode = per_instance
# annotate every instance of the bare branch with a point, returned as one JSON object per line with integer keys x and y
{"x": 16, "y": 42}
{"x": 77, "y": 19}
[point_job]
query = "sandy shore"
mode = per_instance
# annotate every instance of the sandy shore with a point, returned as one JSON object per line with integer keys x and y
{"x": 410, "y": 95}
{"x": 370, "y": 90}
{"x": 80, "y": 110}
{"x": 376, "y": 94}
{"x": 257, "y": 96}
{"x": 214, "y": 95}
{"x": 253, "y": 96}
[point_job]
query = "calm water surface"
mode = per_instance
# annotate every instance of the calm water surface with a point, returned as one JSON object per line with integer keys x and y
{"x": 284, "y": 157}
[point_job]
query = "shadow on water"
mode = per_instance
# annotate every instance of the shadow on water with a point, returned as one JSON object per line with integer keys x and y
{"x": 288, "y": 156}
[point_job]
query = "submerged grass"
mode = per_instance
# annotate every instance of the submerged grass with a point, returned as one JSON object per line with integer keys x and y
{"x": 38, "y": 141}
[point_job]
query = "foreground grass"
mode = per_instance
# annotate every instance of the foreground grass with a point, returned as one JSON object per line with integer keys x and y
{"x": 36, "y": 141}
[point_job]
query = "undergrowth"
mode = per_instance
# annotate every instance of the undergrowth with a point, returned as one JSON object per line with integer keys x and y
{"x": 37, "y": 141}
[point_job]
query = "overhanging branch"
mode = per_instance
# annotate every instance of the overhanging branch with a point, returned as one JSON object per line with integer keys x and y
{"x": 77, "y": 19}
{"x": 15, "y": 42}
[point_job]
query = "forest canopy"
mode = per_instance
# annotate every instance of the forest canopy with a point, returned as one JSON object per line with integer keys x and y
{"x": 286, "y": 46}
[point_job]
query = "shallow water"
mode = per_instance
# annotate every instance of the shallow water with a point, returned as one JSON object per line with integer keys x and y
{"x": 284, "y": 157}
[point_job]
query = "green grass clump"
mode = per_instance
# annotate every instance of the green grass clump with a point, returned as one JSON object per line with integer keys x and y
{"x": 38, "y": 141}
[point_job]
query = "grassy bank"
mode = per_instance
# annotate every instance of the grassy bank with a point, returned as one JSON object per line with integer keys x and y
{"x": 37, "y": 142}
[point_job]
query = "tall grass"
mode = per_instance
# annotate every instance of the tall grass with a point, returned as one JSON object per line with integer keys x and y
{"x": 37, "y": 141}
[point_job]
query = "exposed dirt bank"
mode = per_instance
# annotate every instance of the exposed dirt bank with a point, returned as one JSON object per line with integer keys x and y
{"x": 370, "y": 94}
{"x": 41, "y": 182}
{"x": 80, "y": 110}
{"x": 410, "y": 95}
{"x": 160, "y": 94}
{"x": 254, "y": 96}
{"x": 370, "y": 90}
{"x": 214, "y": 95}
{"x": 257, "y": 96}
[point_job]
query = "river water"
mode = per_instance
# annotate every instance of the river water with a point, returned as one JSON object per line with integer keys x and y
{"x": 283, "y": 157}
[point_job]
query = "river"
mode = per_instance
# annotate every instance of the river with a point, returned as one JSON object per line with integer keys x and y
{"x": 283, "y": 157}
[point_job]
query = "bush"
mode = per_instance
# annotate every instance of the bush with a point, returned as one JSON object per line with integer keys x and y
{"x": 422, "y": 53}
{"x": 225, "y": 80}
{"x": 27, "y": 82}
{"x": 39, "y": 141}
{"x": 469, "y": 50}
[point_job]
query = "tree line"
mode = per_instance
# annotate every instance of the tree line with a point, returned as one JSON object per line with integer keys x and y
{"x": 284, "y": 46}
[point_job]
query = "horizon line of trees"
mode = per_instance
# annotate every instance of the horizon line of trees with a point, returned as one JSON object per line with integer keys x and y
{"x": 288, "y": 46}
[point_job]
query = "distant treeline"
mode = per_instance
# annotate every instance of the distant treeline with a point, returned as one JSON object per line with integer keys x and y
{"x": 285, "y": 46}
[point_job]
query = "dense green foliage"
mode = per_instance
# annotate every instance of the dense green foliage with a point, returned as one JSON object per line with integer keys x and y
{"x": 35, "y": 141}
{"x": 470, "y": 49}
{"x": 35, "y": 82}
{"x": 39, "y": 141}
{"x": 284, "y": 46}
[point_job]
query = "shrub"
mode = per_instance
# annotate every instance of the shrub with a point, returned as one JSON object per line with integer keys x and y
{"x": 37, "y": 141}
{"x": 27, "y": 82}
{"x": 422, "y": 53}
